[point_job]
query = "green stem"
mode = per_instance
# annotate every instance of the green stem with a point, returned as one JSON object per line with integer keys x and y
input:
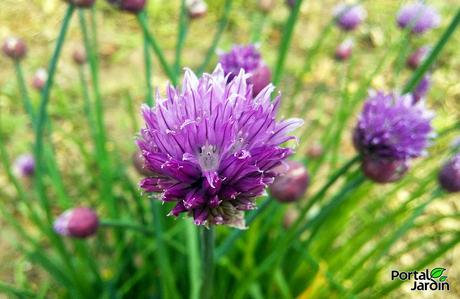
{"x": 126, "y": 225}
{"x": 207, "y": 262}
{"x": 286, "y": 41}
{"x": 142, "y": 19}
{"x": 24, "y": 93}
{"x": 42, "y": 113}
{"x": 148, "y": 72}
{"x": 193, "y": 259}
{"x": 220, "y": 30}
{"x": 423, "y": 68}
{"x": 181, "y": 35}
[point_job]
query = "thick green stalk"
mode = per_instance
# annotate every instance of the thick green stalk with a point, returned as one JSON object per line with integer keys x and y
{"x": 193, "y": 256}
{"x": 207, "y": 262}
{"x": 42, "y": 113}
{"x": 286, "y": 42}
{"x": 220, "y": 30}
{"x": 142, "y": 19}
{"x": 424, "y": 67}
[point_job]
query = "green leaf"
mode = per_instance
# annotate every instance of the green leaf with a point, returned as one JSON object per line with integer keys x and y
{"x": 443, "y": 278}
{"x": 436, "y": 272}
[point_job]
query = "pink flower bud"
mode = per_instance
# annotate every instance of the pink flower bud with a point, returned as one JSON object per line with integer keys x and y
{"x": 417, "y": 57}
{"x": 24, "y": 166}
{"x": 79, "y": 56}
{"x": 196, "y": 8}
{"x": 384, "y": 171}
{"x": 39, "y": 79}
{"x": 260, "y": 78}
{"x": 344, "y": 50}
{"x": 315, "y": 151}
{"x": 291, "y": 184}
{"x": 78, "y": 223}
{"x": 449, "y": 177}
{"x": 133, "y": 6}
{"x": 266, "y": 6}
{"x": 14, "y": 48}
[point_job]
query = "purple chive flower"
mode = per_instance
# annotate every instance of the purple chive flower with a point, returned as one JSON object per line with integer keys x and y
{"x": 392, "y": 127}
{"x": 133, "y": 6}
{"x": 24, "y": 166}
{"x": 422, "y": 88}
{"x": 383, "y": 170}
{"x": 349, "y": 17}
{"x": 344, "y": 50}
{"x": 213, "y": 146}
{"x": 39, "y": 79}
{"x": 449, "y": 177}
{"x": 417, "y": 57}
{"x": 291, "y": 184}
{"x": 419, "y": 17}
{"x": 196, "y": 8}
{"x": 15, "y": 48}
{"x": 249, "y": 59}
{"x": 81, "y": 3}
{"x": 78, "y": 223}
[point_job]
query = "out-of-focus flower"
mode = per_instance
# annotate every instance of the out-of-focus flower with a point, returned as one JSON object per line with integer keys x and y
{"x": 133, "y": 6}
{"x": 449, "y": 176}
{"x": 139, "y": 164}
{"x": 266, "y": 5}
{"x": 81, "y": 3}
{"x": 291, "y": 184}
{"x": 422, "y": 88}
{"x": 349, "y": 17}
{"x": 419, "y": 17}
{"x": 79, "y": 222}
{"x": 290, "y": 217}
{"x": 291, "y": 3}
{"x": 24, "y": 165}
{"x": 79, "y": 56}
{"x": 344, "y": 50}
{"x": 391, "y": 130}
{"x": 249, "y": 59}
{"x": 39, "y": 79}
{"x": 314, "y": 151}
{"x": 196, "y": 8}
{"x": 14, "y": 48}
{"x": 383, "y": 170}
{"x": 417, "y": 57}
{"x": 213, "y": 146}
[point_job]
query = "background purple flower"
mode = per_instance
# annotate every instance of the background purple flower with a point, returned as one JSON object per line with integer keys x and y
{"x": 417, "y": 57}
{"x": 422, "y": 88}
{"x": 349, "y": 17}
{"x": 392, "y": 127}
{"x": 214, "y": 146}
{"x": 24, "y": 165}
{"x": 419, "y": 16}
{"x": 449, "y": 176}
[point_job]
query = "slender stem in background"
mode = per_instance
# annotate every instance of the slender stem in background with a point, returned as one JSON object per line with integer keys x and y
{"x": 207, "y": 249}
{"x": 193, "y": 259}
{"x": 220, "y": 30}
{"x": 181, "y": 35}
{"x": 24, "y": 93}
{"x": 237, "y": 233}
{"x": 286, "y": 41}
{"x": 423, "y": 68}
{"x": 148, "y": 72}
{"x": 142, "y": 19}
{"x": 126, "y": 225}
{"x": 42, "y": 113}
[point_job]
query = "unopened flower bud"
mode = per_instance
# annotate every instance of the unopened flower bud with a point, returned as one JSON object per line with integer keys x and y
{"x": 266, "y": 6}
{"x": 78, "y": 223}
{"x": 382, "y": 170}
{"x": 292, "y": 184}
{"x": 449, "y": 176}
{"x": 421, "y": 89}
{"x": 39, "y": 79}
{"x": 349, "y": 17}
{"x": 24, "y": 166}
{"x": 315, "y": 151}
{"x": 344, "y": 50}
{"x": 417, "y": 57}
{"x": 14, "y": 48}
{"x": 260, "y": 78}
{"x": 133, "y": 6}
{"x": 196, "y": 8}
{"x": 79, "y": 56}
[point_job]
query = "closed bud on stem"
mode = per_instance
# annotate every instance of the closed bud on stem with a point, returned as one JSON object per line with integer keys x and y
{"x": 315, "y": 151}
{"x": 133, "y": 6}
{"x": 196, "y": 8}
{"x": 15, "y": 48}
{"x": 291, "y": 184}
{"x": 78, "y": 223}
{"x": 344, "y": 50}
{"x": 266, "y": 6}
{"x": 417, "y": 57}
{"x": 449, "y": 176}
{"x": 24, "y": 166}
{"x": 39, "y": 79}
{"x": 383, "y": 171}
{"x": 79, "y": 56}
